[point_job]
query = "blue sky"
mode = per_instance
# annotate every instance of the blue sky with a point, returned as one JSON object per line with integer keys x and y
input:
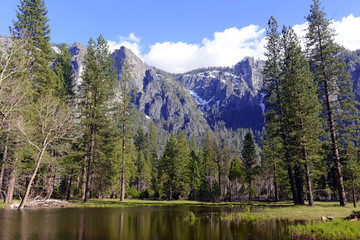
{"x": 181, "y": 35}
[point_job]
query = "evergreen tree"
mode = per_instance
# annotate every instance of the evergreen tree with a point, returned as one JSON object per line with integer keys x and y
{"x": 182, "y": 166}
{"x": 332, "y": 79}
{"x": 143, "y": 173}
{"x": 273, "y": 91}
{"x": 64, "y": 71}
{"x": 32, "y": 23}
{"x": 151, "y": 153}
{"x": 97, "y": 90}
{"x": 301, "y": 111}
{"x": 249, "y": 160}
{"x": 125, "y": 117}
{"x": 167, "y": 169}
{"x": 236, "y": 175}
{"x": 140, "y": 140}
{"x": 195, "y": 175}
{"x": 209, "y": 170}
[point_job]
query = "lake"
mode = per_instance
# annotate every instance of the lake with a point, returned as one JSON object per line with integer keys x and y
{"x": 156, "y": 223}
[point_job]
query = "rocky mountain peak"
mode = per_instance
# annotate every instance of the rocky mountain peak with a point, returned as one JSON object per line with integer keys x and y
{"x": 138, "y": 67}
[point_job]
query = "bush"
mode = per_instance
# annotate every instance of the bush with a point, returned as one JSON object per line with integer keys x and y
{"x": 133, "y": 193}
{"x": 145, "y": 194}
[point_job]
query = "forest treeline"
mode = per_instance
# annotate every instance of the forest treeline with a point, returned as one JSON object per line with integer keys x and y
{"x": 83, "y": 141}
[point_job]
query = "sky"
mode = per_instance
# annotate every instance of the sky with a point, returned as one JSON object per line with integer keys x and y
{"x": 179, "y": 36}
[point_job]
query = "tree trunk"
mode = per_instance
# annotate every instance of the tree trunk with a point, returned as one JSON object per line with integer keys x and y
{"x": 292, "y": 185}
{"x": 122, "y": 194}
{"x": 10, "y": 187}
{"x": 299, "y": 182}
{"x": 354, "y": 196}
{"x": 335, "y": 147}
{"x": 84, "y": 175}
{"x": 68, "y": 190}
{"x": 23, "y": 202}
{"x": 308, "y": 180}
{"x": 275, "y": 184}
{"x": 219, "y": 177}
{"x": 3, "y": 162}
{"x": 89, "y": 172}
{"x": 50, "y": 183}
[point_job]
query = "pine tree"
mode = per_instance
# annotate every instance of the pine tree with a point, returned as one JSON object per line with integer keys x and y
{"x": 125, "y": 117}
{"x": 301, "y": 111}
{"x": 236, "y": 175}
{"x": 143, "y": 173}
{"x": 332, "y": 79}
{"x": 273, "y": 91}
{"x": 32, "y": 23}
{"x": 182, "y": 166}
{"x": 96, "y": 92}
{"x": 140, "y": 140}
{"x": 249, "y": 160}
{"x": 209, "y": 170}
{"x": 64, "y": 71}
{"x": 167, "y": 169}
{"x": 195, "y": 175}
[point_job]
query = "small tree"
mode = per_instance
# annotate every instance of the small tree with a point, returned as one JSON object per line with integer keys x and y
{"x": 249, "y": 161}
{"x": 42, "y": 125}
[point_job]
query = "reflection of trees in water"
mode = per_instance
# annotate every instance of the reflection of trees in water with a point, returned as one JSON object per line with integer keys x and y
{"x": 82, "y": 233}
{"x": 136, "y": 223}
{"x": 121, "y": 227}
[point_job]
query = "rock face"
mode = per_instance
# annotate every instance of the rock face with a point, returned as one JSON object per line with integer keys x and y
{"x": 231, "y": 95}
{"x": 193, "y": 101}
{"x": 161, "y": 98}
{"x": 197, "y": 100}
{"x": 77, "y": 51}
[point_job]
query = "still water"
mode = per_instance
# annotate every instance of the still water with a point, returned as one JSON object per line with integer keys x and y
{"x": 155, "y": 223}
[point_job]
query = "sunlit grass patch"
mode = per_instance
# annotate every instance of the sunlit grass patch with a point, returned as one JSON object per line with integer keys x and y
{"x": 327, "y": 230}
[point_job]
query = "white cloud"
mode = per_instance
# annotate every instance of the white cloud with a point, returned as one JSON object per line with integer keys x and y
{"x": 131, "y": 42}
{"x": 348, "y": 34}
{"x": 226, "y": 49}
{"x": 346, "y": 30}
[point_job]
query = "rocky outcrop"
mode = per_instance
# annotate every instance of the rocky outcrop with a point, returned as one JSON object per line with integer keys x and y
{"x": 231, "y": 95}
{"x": 77, "y": 51}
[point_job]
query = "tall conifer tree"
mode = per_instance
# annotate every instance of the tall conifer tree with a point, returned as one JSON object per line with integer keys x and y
{"x": 301, "y": 111}
{"x": 332, "y": 79}
{"x": 96, "y": 93}
{"x": 32, "y": 22}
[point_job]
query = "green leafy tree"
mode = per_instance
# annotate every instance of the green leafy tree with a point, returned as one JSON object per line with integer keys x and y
{"x": 41, "y": 125}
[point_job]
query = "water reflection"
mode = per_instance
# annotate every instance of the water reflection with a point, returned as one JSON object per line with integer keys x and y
{"x": 133, "y": 223}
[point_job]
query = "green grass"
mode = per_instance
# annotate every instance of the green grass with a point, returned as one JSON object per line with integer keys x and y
{"x": 134, "y": 203}
{"x": 286, "y": 210}
{"x": 327, "y": 230}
